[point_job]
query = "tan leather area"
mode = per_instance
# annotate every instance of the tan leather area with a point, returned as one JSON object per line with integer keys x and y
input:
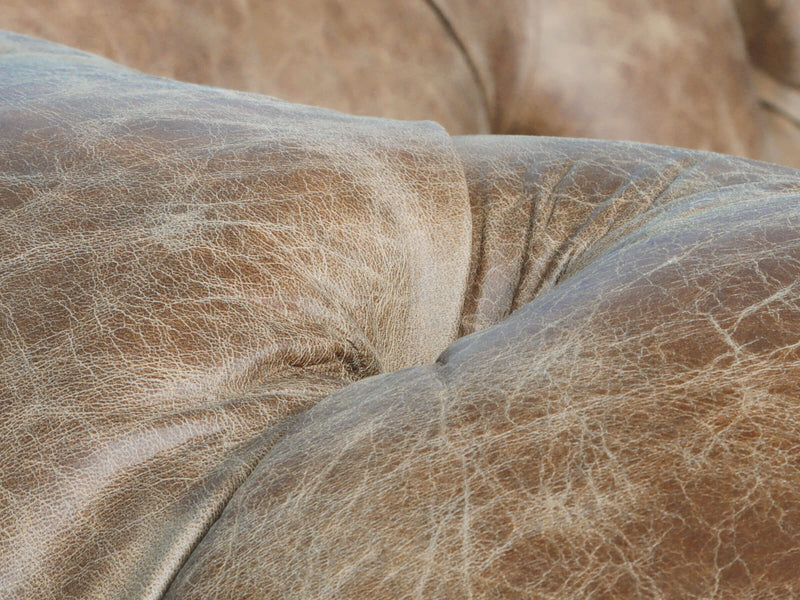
{"x": 389, "y": 59}
{"x": 771, "y": 31}
{"x": 674, "y": 72}
{"x": 543, "y": 208}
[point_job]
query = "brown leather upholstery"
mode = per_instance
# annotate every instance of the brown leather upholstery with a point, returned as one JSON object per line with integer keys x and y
{"x": 632, "y": 432}
{"x": 194, "y": 280}
{"x": 675, "y": 72}
{"x": 182, "y": 268}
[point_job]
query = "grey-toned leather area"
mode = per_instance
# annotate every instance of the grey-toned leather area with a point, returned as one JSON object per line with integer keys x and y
{"x": 229, "y": 365}
{"x": 180, "y": 269}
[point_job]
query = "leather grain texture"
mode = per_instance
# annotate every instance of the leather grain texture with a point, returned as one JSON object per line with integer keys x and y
{"x": 630, "y": 431}
{"x": 181, "y": 268}
{"x": 251, "y": 349}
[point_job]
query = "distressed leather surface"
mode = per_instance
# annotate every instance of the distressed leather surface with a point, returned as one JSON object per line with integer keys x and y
{"x": 631, "y": 432}
{"x": 180, "y": 269}
{"x": 221, "y": 316}
{"x": 681, "y": 73}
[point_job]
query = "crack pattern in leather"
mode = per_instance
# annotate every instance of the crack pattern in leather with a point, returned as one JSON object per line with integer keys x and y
{"x": 631, "y": 432}
{"x": 181, "y": 268}
{"x": 193, "y": 281}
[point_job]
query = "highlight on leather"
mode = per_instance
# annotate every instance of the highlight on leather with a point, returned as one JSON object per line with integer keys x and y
{"x": 251, "y": 349}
